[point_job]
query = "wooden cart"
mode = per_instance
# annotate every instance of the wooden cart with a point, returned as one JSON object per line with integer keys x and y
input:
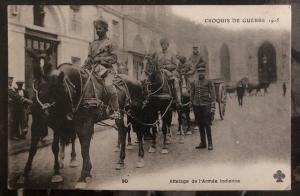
{"x": 220, "y": 89}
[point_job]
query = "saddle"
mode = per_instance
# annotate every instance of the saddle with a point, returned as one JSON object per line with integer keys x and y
{"x": 100, "y": 107}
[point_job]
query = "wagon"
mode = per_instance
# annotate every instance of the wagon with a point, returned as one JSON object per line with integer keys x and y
{"x": 220, "y": 89}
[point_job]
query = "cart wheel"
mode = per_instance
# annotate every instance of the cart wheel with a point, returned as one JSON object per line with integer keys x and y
{"x": 222, "y": 101}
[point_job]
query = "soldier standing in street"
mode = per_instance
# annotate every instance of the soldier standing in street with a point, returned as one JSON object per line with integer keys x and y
{"x": 203, "y": 99}
{"x": 101, "y": 58}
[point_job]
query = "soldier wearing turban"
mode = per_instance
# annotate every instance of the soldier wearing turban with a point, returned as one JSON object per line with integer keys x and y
{"x": 101, "y": 58}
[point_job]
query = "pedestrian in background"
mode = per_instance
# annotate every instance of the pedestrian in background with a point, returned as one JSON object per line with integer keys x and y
{"x": 22, "y": 111}
{"x": 284, "y": 88}
{"x": 14, "y": 100}
{"x": 240, "y": 91}
{"x": 203, "y": 99}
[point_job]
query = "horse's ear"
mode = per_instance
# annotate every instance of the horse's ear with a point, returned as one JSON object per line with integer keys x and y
{"x": 61, "y": 76}
{"x": 32, "y": 52}
{"x": 49, "y": 50}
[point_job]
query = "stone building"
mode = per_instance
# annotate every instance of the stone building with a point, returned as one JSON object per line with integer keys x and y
{"x": 133, "y": 29}
{"x": 136, "y": 30}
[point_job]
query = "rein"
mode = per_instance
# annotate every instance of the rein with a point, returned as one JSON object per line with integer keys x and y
{"x": 43, "y": 105}
{"x": 155, "y": 92}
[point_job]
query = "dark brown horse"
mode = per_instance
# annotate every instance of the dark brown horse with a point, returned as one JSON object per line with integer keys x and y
{"x": 86, "y": 96}
{"x": 159, "y": 99}
{"x": 46, "y": 112}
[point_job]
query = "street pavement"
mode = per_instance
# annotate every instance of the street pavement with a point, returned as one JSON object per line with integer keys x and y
{"x": 250, "y": 136}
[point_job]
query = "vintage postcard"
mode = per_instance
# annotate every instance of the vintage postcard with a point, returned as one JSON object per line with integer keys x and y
{"x": 148, "y": 97}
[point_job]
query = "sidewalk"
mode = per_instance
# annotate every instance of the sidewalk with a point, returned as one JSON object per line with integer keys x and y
{"x": 23, "y": 145}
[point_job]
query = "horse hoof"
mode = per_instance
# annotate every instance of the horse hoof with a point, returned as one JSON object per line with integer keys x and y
{"x": 140, "y": 163}
{"x": 88, "y": 179}
{"x": 189, "y": 133}
{"x": 117, "y": 149}
{"x": 74, "y": 163}
{"x": 152, "y": 150}
{"x": 56, "y": 179}
{"x": 181, "y": 140}
{"x": 178, "y": 133}
{"x": 21, "y": 180}
{"x": 120, "y": 166}
{"x": 81, "y": 185}
{"x": 168, "y": 141}
{"x": 164, "y": 151}
{"x": 61, "y": 165}
{"x": 129, "y": 147}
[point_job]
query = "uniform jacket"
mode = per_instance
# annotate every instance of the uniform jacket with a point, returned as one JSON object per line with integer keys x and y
{"x": 166, "y": 60}
{"x": 101, "y": 52}
{"x": 203, "y": 93}
{"x": 196, "y": 60}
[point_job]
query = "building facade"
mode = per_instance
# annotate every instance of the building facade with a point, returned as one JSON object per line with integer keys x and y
{"x": 136, "y": 30}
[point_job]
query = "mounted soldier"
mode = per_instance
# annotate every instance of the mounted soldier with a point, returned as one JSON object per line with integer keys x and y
{"x": 100, "y": 60}
{"x": 195, "y": 60}
{"x": 167, "y": 63}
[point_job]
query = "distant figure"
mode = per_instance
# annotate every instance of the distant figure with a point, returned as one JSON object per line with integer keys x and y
{"x": 122, "y": 68}
{"x": 284, "y": 88}
{"x": 14, "y": 101}
{"x": 240, "y": 91}
{"x": 21, "y": 111}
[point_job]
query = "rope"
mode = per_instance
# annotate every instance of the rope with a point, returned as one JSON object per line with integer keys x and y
{"x": 43, "y": 105}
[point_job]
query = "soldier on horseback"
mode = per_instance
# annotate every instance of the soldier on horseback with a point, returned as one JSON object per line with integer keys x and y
{"x": 196, "y": 60}
{"x": 167, "y": 62}
{"x": 100, "y": 60}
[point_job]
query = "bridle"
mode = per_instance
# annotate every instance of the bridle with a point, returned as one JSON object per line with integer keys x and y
{"x": 44, "y": 106}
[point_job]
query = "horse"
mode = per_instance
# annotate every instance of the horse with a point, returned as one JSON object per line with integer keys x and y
{"x": 47, "y": 113}
{"x": 257, "y": 87}
{"x": 184, "y": 69}
{"x": 159, "y": 99}
{"x": 86, "y": 95}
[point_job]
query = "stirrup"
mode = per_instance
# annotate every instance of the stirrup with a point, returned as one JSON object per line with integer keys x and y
{"x": 117, "y": 115}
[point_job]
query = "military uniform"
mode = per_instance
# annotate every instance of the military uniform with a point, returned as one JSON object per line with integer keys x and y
{"x": 101, "y": 57}
{"x": 203, "y": 100}
{"x": 196, "y": 60}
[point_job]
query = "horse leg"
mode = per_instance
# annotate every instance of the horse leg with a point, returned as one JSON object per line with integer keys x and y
{"x": 180, "y": 116}
{"x": 122, "y": 130}
{"x": 152, "y": 148}
{"x": 61, "y": 155}
{"x": 188, "y": 121}
{"x": 180, "y": 129}
{"x": 32, "y": 151}
{"x": 84, "y": 133}
{"x": 117, "y": 148}
{"x": 129, "y": 144}
{"x": 73, "y": 162}
{"x": 140, "y": 162}
{"x": 164, "y": 130}
{"x": 55, "y": 149}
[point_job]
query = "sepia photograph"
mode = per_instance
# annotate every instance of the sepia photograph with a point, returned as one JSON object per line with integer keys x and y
{"x": 149, "y": 97}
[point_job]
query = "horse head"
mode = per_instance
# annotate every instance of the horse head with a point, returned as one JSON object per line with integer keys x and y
{"x": 41, "y": 62}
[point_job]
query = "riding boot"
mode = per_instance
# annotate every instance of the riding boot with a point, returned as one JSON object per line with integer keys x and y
{"x": 114, "y": 101}
{"x": 202, "y": 139}
{"x": 209, "y": 138}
